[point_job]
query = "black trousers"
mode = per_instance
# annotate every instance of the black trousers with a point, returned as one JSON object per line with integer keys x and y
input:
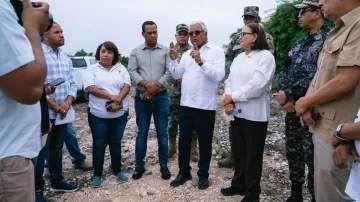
{"x": 203, "y": 122}
{"x": 248, "y": 147}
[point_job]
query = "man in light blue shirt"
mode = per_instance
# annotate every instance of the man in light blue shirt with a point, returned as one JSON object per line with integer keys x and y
{"x": 59, "y": 66}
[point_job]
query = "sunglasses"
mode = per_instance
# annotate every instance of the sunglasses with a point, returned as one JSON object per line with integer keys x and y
{"x": 196, "y": 33}
{"x": 305, "y": 10}
{"x": 242, "y": 34}
{"x": 182, "y": 33}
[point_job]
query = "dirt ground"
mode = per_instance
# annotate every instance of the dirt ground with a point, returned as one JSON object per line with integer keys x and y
{"x": 275, "y": 184}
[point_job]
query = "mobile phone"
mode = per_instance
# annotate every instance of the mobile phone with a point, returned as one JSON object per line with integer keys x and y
{"x": 56, "y": 82}
{"x": 109, "y": 108}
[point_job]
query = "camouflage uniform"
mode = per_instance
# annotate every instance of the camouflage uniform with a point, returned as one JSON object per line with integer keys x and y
{"x": 294, "y": 79}
{"x": 174, "y": 100}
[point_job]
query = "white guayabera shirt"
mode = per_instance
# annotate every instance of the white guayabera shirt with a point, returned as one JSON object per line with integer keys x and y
{"x": 199, "y": 85}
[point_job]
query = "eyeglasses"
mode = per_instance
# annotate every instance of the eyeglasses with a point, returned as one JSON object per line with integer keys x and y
{"x": 196, "y": 33}
{"x": 182, "y": 33}
{"x": 303, "y": 11}
{"x": 242, "y": 34}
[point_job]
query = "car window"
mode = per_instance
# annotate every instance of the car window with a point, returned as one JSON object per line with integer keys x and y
{"x": 92, "y": 61}
{"x": 78, "y": 62}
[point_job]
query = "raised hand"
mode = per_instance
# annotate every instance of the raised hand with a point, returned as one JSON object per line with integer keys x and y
{"x": 35, "y": 18}
{"x": 173, "y": 51}
{"x": 196, "y": 54}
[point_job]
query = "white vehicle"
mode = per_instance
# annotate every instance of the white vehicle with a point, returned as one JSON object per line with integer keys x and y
{"x": 80, "y": 64}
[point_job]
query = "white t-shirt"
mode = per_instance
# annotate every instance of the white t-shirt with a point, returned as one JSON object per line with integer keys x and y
{"x": 108, "y": 81}
{"x": 249, "y": 84}
{"x": 19, "y": 124}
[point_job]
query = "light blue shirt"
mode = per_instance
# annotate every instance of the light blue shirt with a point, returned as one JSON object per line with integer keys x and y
{"x": 19, "y": 124}
{"x": 59, "y": 66}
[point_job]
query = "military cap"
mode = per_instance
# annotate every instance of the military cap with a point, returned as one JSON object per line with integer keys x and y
{"x": 307, "y": 4}
{"x": 251, "y": 10}
{"x": 182, "y": 27}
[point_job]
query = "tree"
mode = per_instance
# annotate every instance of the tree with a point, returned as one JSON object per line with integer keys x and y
{"x": 81, "y": 52}
{"x": 284, "y": 27}
{"x": 124, "y": 61}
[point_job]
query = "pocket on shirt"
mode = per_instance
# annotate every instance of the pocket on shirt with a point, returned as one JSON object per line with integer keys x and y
{"x": 330, "y": 56}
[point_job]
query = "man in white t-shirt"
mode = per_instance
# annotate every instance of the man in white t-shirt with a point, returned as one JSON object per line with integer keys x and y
{"x": 22, "y": 75}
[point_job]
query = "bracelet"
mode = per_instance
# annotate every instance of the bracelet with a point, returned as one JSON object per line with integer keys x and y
{"x": 145, "y": 84}
{"x": 337, "y": 131}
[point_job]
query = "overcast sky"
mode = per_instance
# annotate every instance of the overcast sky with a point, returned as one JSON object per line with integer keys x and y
{"x": 88, "y": 23}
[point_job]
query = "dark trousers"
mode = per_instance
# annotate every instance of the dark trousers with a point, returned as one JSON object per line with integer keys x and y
{"x": 299, "y": 151}
{"x": 248, "y": 147}
{"x": 72, "y": 146}
{"x": 107, "y": 132}
{"x": 203, "y": 122}
{"x": 54, "y": 144}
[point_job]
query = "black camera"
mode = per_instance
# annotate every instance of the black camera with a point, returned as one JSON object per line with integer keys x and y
{"x": 18, "y": 6}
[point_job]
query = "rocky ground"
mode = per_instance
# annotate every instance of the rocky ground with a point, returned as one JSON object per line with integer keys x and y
{"x": 275, "y": 184}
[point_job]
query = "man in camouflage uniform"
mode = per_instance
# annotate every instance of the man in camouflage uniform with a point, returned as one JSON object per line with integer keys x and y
{"x": 294, "y": 80}
{"x": 182, "y": 39}
{"x": 251, "y": 15}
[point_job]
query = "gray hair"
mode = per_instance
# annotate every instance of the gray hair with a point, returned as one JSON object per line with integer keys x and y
{"x": 203, "y": 26}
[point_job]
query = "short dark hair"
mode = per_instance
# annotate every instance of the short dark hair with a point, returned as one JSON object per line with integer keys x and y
{"x": 111, "y": 47}
{"x": 147, "y": 23}
{"x": 261, "y": 42}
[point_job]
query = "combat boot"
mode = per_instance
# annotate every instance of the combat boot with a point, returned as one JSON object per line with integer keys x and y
{"x": 194, "y": 156}
{"x": 296, "y": 194}
{"x": 172, "y": 146}
{"x": 228, "y": 162}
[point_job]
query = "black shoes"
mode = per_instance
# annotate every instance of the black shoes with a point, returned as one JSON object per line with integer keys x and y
{"x": 180, "y": 179}
{"x": 249, "y": 198}
{"x": 165, "y": 173}
{"x": 231, "y": 191}
{"x": 296, "y": 194}
{"x": 203, "y": 183}
{"x": 138, "y": 172}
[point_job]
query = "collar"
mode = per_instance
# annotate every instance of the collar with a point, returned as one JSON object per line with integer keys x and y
{"x": 207, "y": 45}
{"x": 113, "y": 68}
{"x": 143, "y": 46}
{"x": 48, "y": 49}
{"x": 323, "y": 29}
{"x": 351, "y": 16}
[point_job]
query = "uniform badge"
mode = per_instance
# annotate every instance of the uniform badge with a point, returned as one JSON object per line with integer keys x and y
{"x": 291, "y": 53}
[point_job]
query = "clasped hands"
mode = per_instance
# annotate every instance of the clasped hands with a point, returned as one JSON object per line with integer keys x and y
{"x": 62, "y": 109}
{"x": 151, "y": 89}
{"x": 301, "y": 107}
{"x": 228, "y": 104}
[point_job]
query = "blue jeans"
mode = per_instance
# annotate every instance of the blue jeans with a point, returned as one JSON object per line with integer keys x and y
{"x": 107, "y": 132}
{"x": 72, "y": 146}
{"x": 54, "y": 144}
{"x": 159, "y": 106}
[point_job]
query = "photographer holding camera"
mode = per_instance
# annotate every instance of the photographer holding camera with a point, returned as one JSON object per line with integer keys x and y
{"x": 22, "y": 76}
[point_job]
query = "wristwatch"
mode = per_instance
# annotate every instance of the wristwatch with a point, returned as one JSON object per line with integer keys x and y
{"x": 337, "y": 131}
